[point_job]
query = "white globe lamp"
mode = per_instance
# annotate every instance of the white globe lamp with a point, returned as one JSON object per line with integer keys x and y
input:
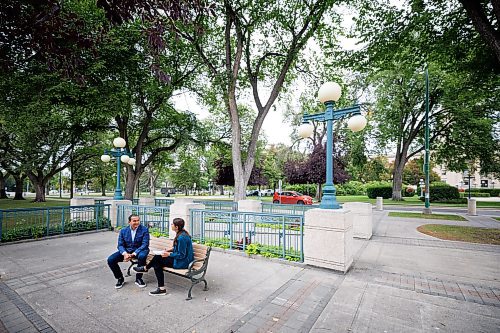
{"x": 357, "y": 123}
{"x": 119, "y": 142}
{"x": 329, "y": 91}
{"x": 105, "y": 158}
{"x": 124, "y": 158}
{"x": 305, "y": 130}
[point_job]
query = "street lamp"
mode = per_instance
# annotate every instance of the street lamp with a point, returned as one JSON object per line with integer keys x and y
{"x": 210, "y": 184}
{"x": 427, "y": 209}
{"x": 467, "y": 175}
{"x": 121, "y": 154}
{"x": 329, "y": 93}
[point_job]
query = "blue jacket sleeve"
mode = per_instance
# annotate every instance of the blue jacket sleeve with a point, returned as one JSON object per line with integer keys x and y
{"x": 121, "y": 241}
{"x": 180, "y": 252}
{"x": 145, "y": 241}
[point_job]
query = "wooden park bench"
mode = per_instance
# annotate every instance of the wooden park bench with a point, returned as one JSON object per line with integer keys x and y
{"x": 196, "y": 270}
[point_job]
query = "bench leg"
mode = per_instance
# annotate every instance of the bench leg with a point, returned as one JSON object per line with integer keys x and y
{"x": 189, "y": 292}
{"x": 129, "y": 268}
{"x": 206, "y": 285}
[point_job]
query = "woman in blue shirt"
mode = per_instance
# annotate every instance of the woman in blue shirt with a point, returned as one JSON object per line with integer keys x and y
{"x": 179, "y": 257}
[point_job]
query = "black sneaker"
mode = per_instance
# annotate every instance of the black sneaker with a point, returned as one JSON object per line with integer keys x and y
{"x": 141, "y": 269}
{"x": 140, "y": 283}
{"x": 120, "y": 283}
{"x": 158, "y": 292}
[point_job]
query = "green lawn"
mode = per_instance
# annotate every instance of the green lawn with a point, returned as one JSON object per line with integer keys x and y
{"x": 497, "y": 218}
{"x": 14, "y": 204}
{"x": 448, "y": 217}
{"x": 463, "y": 234}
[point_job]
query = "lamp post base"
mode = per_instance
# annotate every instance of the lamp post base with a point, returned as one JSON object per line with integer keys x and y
{"x": 427, "y": 211}
{"x": 329, "y": 199}
{"x": 118, "y": 195}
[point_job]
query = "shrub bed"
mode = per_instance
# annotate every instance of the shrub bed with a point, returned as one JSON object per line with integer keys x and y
{"x": 382, "y": 189}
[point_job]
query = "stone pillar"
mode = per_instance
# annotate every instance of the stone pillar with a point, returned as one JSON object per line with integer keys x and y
{"x": 328, "y": 238}
{"x": 147, "y": 201}
{"x": 254, "y": 206}
{"x": 83, "y": 201}
{"x": 361, "y": 219}
{"x": 77, "y": 214}
{"x": 113, "y": 211}
{"x": 180, "y": 208}
{"x": 471, "y": 207}
{"x": 380, "y": 203}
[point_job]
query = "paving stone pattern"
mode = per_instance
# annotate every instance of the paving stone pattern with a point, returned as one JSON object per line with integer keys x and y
{"x": 432, "y": 286}
{"x": 17, "y": 316}
{"x": 294, "y": 307}
{"x": 436, "y": 243}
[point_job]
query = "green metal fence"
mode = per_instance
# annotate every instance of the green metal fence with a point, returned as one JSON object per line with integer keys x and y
{"x": 270, "y": 235}
{"x": 286, "y": 209}
{"x": 33, "y": 223}
{"x": 155, "y": 218}
{"x": 209, "y": 204}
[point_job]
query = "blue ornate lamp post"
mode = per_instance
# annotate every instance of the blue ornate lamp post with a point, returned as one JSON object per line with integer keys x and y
{"x": 121, "y": 154}
{"x": 329, "y": 93}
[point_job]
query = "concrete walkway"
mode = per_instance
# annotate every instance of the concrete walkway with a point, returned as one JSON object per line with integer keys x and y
{"x": 402, "y": 281}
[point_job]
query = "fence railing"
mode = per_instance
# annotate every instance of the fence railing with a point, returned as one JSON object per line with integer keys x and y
{"x": 135, "y": 201}
{"x": 209, "y": 204}
{"x": 164, "y": 202}
{"x": 18, "y": 224}
{"x": 270, "y": 235}
{"x": 286, "y": 209}
{"x": 219, "y": 204}
{"x": 154, "y": 217}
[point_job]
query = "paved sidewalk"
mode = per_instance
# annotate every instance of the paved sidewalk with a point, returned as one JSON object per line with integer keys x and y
{"x": 402, "y": 281}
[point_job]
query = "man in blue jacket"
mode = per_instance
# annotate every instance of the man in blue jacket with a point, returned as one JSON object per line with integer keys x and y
{"x": 133, "y": 242}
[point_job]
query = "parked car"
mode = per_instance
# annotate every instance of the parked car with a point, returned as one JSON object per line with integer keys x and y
{"x": 292, "y": 197}
{"x": 253, "y": 193}
{"x": 267, "y": 192}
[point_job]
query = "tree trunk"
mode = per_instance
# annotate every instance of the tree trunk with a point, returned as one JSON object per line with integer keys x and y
{"x": 318, "y": 191}
{"x": 38, "y": 182}
{"x": 103, "y": 185}
{"x": 132, "y": 178}
{"x": 397, "y": 176}
{"x": 39, "y": 191}
{"x": 3, "y": 193}
{"x": 18, "y": 194}
{"x": 221, "y": 189}
{"x": 151, "y": 181}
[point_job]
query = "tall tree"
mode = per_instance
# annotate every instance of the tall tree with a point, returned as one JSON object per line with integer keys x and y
{"x": 253, "y": 45}
{"x": 399, "y": 40}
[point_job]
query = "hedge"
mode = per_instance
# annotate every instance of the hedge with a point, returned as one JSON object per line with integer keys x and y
{"x": 493, "y": 192}
{"x": 307, "y": 189}
{"x": 441, "y": 192}
{"x": 474, "y": 194}
{"x": 381, "y": 189}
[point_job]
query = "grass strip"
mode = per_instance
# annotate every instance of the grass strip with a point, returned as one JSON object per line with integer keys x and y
{"x": 463, "y": 234}
{"x": 448, "y": 217}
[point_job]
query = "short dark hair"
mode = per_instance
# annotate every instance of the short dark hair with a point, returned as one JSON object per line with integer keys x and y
{"x": 132, "y": 215}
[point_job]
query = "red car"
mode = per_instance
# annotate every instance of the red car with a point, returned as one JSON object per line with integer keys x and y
{"x": 292, "y": 197}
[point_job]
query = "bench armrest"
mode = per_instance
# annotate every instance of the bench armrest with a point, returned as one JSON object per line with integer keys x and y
{"x": 190, "y": 267}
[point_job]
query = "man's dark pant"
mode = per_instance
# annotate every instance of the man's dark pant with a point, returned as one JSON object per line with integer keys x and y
{"x": 117, "y": 257}
{"x": 158, "y": 262}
